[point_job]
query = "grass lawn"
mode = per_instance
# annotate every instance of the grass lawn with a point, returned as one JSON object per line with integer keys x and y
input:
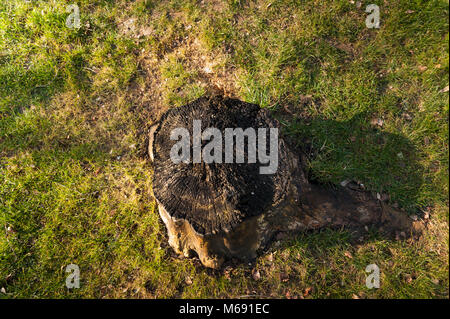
{"x": 76, "y": 105}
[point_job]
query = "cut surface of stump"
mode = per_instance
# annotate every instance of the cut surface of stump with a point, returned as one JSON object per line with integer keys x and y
{"x": 231, "y": 210}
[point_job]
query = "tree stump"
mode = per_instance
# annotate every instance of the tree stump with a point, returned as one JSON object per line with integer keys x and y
{"x": 223, "y": 210}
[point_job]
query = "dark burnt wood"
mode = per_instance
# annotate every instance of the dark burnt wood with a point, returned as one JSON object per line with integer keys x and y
{"x": 215, "y": 197}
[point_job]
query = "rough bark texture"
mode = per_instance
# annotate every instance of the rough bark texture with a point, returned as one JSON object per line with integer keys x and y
{"x": 221, "y": 211}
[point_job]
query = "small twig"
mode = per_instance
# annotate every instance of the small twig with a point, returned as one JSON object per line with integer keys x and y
{"x": 89, "y": 69}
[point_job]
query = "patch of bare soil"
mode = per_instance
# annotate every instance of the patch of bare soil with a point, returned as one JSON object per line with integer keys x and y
{"x": 210, "y": 71}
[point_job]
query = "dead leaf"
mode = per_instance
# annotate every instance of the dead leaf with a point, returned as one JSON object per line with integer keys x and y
{"x": 426, "y": 213}
{"x": 444, "y": 90}
{"x": 407, "y": 116}
{"x": 348, "y": 254}
{"x": 255, "y": 274}
{"x": 226, "y": 273}
{"x": 307, "y": 291}
{"x": 377, "y": 122}
{"x": 305, "y": 99}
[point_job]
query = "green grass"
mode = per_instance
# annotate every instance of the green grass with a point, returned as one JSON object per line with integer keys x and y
{"x": 75, "y": 105}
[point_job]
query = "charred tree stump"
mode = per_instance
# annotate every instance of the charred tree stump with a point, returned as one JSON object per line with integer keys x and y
{"x": 231, "y": 210}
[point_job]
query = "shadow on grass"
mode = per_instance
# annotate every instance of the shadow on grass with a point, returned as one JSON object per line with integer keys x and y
{"x": 359, "y": 154}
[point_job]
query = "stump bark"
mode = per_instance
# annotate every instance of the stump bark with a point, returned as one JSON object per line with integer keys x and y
{"x": 230, "y": 210}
